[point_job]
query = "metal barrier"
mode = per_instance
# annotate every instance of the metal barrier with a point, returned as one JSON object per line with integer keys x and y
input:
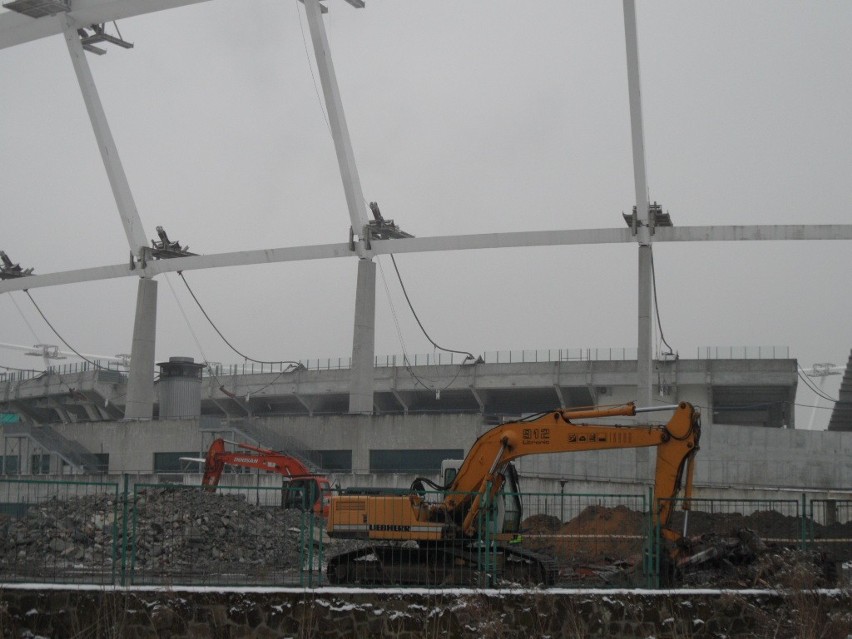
{"x": 167, "y": 534}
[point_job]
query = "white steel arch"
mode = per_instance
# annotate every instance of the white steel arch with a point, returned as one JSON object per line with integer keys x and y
{"x": 18, "y": 29}
{"x": 772, "y": 233}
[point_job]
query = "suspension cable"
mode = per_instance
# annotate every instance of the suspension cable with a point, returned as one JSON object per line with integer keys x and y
{"x": 293, "y": 363}
{"x": 62, "y": 339}
{"x": 656, "y": 303}
{"x": 419, "y": 323}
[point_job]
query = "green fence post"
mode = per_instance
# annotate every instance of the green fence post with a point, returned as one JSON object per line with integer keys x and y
{"x": 115, "y": 574}
{"x": 654, "y": 544}
{"x": 804, "y": 523}
{"x": 490, "y": 553}
{"x": 308, "y": 512}
{"x": 124, "y": 540}
{"x": 321, "y": 522}
{"x": 304, "y": 534}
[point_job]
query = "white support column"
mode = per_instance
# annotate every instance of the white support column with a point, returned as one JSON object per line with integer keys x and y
{"x": 363, "y": 340}
{"x": 140, "y": 381}
{"x": 140, "y": 385}
{"x": 364, "y": 337}
{"x": 337, "y": 120}
{"x": 109, "y": 153}
{"x": 640, "y": 179}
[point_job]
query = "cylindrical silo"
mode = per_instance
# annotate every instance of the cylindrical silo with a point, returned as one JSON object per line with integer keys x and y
{"x": 180, "y": 388}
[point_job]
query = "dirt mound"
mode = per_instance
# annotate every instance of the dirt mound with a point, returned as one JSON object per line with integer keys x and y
{"x": 597, "y": 534}
{"x": 539, "y": 524}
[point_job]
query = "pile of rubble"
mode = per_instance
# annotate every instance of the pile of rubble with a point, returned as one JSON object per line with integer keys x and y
{"x": 172, "y": 532}
{"x": 189, "y": 532}
{"x": 59, "y": 534}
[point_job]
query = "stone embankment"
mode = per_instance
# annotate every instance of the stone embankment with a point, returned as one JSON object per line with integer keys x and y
{"x": 420, "y": 615}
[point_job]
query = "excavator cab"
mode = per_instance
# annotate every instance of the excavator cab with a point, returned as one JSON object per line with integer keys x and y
{"x": 504, "y": 513}
{"x": 306, "y": 494}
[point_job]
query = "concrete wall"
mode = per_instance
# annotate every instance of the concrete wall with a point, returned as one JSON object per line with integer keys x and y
{"x": 730, "y": 456}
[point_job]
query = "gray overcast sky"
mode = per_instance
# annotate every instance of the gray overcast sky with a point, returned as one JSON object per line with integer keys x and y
{"x": 465, "y": 117}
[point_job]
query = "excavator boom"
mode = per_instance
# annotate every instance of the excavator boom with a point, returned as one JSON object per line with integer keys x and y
{"x": 298, "y": 474}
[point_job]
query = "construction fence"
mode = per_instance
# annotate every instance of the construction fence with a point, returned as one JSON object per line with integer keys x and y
{"x": 114, "y": 533}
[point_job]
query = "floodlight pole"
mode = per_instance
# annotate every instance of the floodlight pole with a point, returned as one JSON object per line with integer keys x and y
{"x": 364, "y": 326}
{"x": 644, "y": 356}
{"x": 140, "y": 381}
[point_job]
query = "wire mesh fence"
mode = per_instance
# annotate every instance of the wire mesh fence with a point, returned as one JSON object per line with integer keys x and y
{"x": 830, "y": 533}
{"x": 59, "y": 531}
{"x": 594, "y": 540}
{"x": 777, "y": 521}
{"x": 234, "y": 536}
{"x": 167, "y": 534}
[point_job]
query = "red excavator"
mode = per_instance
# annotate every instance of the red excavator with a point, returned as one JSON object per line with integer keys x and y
{"x": 315, "y": 487}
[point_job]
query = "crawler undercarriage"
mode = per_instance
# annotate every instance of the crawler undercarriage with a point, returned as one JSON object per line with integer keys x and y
{"x": 441, "y": 564}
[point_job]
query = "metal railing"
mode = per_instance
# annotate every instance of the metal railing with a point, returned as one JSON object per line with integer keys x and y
{"x": 75, "y": 368}
{"x": 743, "y": 352}
{"x": 520, "y": 356}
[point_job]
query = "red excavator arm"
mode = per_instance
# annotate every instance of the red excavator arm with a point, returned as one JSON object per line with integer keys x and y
{"x": 269, "y": 460}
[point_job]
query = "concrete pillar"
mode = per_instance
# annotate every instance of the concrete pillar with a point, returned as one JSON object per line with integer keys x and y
{"x": 140, "y": 383}
{"x": 363, "y": 341}
{"x": 645, "y": 337}
{"x": 644, "y": 356}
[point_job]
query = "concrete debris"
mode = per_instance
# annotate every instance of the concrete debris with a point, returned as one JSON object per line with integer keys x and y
{"x": 179, "y": 532}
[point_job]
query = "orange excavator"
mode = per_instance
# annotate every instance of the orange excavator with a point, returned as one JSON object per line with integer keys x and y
{"x": 304, "y": 485}
{"x": 440, "y": 537}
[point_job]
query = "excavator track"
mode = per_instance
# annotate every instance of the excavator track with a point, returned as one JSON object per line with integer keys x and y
{"x": 441, "y": 564}
{"x": 526, "y": 566}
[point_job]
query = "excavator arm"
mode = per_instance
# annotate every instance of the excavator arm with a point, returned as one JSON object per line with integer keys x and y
{"x": 261, "y": 458}
{"x": 248, "y": 456}
{"x": 555, "y": 432}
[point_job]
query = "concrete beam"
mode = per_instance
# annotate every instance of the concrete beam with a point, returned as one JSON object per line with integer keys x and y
{"x": 398, "y": 396}
{"x": 478, "y": 395}
{"x": 304, "y": 402}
